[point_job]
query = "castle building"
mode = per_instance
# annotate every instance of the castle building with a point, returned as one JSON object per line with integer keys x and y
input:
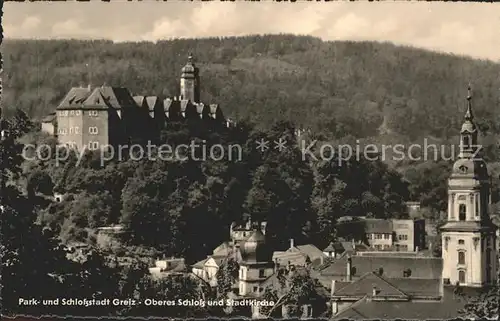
{"x": 94, "y": 118}
{"x": 469, "y": 236}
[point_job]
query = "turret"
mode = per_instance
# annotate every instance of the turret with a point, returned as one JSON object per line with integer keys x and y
{"x": 190, "y": 81}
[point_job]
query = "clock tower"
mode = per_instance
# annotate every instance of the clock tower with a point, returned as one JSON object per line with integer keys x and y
{"x": 468, "y": 237}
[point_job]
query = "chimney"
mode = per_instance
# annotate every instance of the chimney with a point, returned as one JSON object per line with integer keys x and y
{"x": 322, "y": 259}
{"x": 353, "y": 244}
{"x": 349, "y": 269}
{"x": 88, "y": 87}
{"x": 333, "y": 288}
{"x": 291, "y": 243}
{"x": 374, "y": 291}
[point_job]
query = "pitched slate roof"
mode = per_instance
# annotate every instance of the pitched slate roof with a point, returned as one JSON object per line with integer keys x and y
{"x": 101, "y": 97}
{"x": 294, "y": 258}
{"x": 151, "y": 102}
{"x": 393, "y": 266}
{"x": 74, "y": 98}
{"x": 418, "y": 287}
{"x": 447, "y": 308}
{"x": 312, "y": 251}
{"x": 365, "y": 285}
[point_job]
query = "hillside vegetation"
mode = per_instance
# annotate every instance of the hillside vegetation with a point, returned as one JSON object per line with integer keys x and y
{"x": 360, "y": 89}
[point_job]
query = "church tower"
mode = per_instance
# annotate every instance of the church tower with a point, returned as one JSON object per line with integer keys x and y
{"x": 190, "y": 81}
{"x": 257, "y": 264}
{"x": 469, "y": 240}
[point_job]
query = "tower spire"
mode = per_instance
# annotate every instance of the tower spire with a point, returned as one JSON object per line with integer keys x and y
{"x": 468, "y": 114}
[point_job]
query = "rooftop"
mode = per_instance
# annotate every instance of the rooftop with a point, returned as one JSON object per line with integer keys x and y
{"x": 393, "y": 266}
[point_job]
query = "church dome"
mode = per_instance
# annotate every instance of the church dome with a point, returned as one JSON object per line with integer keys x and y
{"x": 254, "y": 249}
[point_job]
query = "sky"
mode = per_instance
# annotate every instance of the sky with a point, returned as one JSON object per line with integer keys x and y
{"x": 471, "y": 29}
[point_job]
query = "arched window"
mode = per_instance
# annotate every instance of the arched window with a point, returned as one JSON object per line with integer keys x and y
{"x": 461, "y": 276}
{"x": 462, "y": 210}
{"x": 461, "y": 257}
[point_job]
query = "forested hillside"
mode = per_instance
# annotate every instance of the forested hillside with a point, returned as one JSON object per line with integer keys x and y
{"x": 361, "y": 89}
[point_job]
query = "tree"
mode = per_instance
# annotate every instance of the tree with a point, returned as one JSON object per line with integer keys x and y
{"x": 484, "y": 306}
{"x": 227, "y": 275}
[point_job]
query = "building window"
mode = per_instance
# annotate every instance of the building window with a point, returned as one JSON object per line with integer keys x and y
{"x": 72, "y": 113}
{"x": 461, "y": 257}
{"x": 462, "y": 210}
{"x": 93, "y": 113}
{"x": 62, "y": 131}
{"x": 461, "y": 242}
{"x": 93, "y": 130}
{"x": 403, "y": 237}
{"x": 477, "y": 207}
{"x": 261, "y": 273}
{"x": 255, "y": 289}
{"x": 93, "y": 145}
{"x": 461, "y": 276}
{"x": 404, "y": 248}
{"x": 386, "y": 236}
{"x": 407, "y": 273}
{"x": 243, "y": 274}
{"x": 78, "y": 112}
{"x": 378, "y": 236}
{"x": 74, "y": 130}
{"x": 466, "y": 141}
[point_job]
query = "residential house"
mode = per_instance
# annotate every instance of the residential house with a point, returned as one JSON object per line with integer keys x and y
{"x": 341, "y": 246}
{"x": 168, "y": 266}
{"x": 207, "y": 269}
{"x": 299, "y": 255}
{"x": 396, "y": 234}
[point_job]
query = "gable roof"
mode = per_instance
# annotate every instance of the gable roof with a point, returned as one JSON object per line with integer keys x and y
{"x": 294, "y": 258}
{"x": 448, "y": 308}
{"x": 418, "y": 287}
{"x": 311, "y": 250}
{"x": 151, "y": 102}
{"x": 74, "y": 98}
{"x": 393, "y": 266}
{"x": 365, "y": 285}
{"x": 139, "y": 100}
{"x": 200, "y": 264}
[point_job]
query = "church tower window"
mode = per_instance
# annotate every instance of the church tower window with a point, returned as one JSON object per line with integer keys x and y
{"x": 462, "y": 212}
{"x": 461, "y": 276}
{"x": 461, "y": 257}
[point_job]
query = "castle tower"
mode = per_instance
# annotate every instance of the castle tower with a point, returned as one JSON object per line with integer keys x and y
{"x": 256, "y": 266}
{"x": 190, "y": 81}
{"x": 469, "y": 241}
